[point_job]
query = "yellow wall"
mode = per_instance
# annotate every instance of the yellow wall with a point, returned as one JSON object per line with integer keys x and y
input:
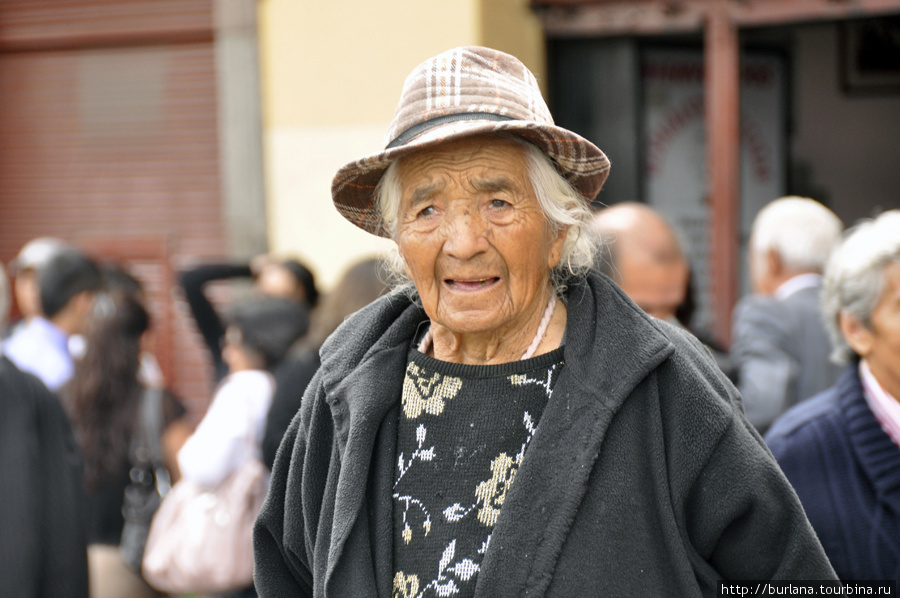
{"x": 511, "y": 26}
{"x": 331, "y": 77}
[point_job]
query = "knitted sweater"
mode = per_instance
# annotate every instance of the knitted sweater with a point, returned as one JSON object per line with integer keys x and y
{"x": 643, "y": 477}
{"x": 846, "y": 471}
{"x": 462, "y": 436}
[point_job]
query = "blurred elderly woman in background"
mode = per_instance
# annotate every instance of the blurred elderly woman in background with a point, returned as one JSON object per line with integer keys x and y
{"x": 511, "y": 423}
{"x": 841, "y": 449}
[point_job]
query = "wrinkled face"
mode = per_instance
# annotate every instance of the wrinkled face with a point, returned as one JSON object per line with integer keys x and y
{"x": 473, "y": 237}
{"x": 880, "y": 343}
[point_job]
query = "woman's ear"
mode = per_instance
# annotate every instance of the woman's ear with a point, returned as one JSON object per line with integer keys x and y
{"x": 556, "y": 247}
{"x": 857, "y": 335}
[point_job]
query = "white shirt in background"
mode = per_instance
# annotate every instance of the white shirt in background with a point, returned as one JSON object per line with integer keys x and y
{"x": 40, "y": 347}
{"x": 232, "y": 429}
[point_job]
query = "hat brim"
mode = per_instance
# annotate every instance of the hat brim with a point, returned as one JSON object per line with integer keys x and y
{"x": 581, "y": 162}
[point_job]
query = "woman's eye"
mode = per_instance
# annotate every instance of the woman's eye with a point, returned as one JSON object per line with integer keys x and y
{"x": 499, "y": 204}
{"x": 425, "y": 212}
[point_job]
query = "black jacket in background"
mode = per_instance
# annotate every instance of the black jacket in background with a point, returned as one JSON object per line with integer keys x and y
{"x": 43, "y": 552}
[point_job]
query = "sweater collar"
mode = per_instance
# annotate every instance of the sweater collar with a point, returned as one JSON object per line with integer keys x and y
{"x": 877, "y": 454}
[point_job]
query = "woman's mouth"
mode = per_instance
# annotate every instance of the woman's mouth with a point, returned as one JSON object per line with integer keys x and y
{"x": 472, "y": 284}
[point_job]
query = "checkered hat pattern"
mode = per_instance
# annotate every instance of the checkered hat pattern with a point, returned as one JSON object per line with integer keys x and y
{"x": 463, "y": 92}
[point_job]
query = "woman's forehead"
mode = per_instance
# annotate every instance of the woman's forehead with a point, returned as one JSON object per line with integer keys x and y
{"x": 485, "y": 164}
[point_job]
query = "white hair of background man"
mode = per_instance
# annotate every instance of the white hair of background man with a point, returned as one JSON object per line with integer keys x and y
{"x": 562, "y": 205}
{"x": 854, "y": 277}
{"x": 802, "y": 232}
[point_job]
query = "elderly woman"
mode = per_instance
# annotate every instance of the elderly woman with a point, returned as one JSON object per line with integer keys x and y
{"x": 841, "y": 449}
{"x": 512, "y": 424}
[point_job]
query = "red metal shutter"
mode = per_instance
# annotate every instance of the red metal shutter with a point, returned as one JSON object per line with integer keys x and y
{"x": 109, "y": 139}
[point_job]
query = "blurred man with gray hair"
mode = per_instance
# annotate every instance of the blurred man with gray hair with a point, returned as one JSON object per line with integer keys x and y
{"x": 779, "y": 343}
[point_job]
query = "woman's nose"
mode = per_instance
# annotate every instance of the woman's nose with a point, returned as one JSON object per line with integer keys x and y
{"x": 466, "y": 234}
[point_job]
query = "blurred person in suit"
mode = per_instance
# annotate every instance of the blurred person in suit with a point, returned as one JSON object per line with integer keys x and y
{"x": 841, "y": 449}
{"x": 42, "y": 545}
{"x": 780, "y": 347}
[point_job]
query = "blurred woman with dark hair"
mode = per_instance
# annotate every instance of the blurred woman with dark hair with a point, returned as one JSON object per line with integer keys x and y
{"x": 257, "y": 337}
{"x": 104, "y": 400}
{"x": 104, "y": 396}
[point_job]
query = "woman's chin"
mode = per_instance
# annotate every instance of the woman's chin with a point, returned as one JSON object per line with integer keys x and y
{"x": 472, "y": 321}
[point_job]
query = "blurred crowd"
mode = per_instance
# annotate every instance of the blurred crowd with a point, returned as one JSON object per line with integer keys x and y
{"x": 90, "y": 427}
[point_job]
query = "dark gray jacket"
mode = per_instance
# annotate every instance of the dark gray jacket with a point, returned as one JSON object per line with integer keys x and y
{"x": 643, "y": 477}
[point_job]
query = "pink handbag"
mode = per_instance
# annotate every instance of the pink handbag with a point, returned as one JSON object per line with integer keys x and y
{"x": 200, "y": 539}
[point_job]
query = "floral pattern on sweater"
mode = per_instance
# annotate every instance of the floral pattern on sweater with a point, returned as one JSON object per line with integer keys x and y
{"x": 462, "y": 437}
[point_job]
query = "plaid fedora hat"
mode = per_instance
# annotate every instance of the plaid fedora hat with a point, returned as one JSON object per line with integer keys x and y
{"x": 463, "y": 92}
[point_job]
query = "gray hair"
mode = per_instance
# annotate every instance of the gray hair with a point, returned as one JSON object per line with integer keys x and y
{"x": 801, "y": 230}
{"x": 854, "y": 277}
{"x": 562, "y": 205}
